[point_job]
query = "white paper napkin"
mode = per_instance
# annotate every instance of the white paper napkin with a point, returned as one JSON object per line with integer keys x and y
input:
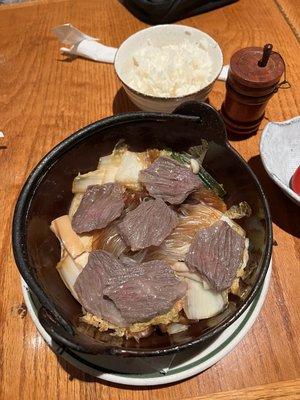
{"x": 83, "y": 45}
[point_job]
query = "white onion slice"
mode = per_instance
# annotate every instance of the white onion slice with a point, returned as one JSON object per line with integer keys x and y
{"x": 82, "y": 260}
{"x": 69, "y": 272}
{"x": 75, "y": 204}
{"x": 81, "y": 182}
{"x": 129, "y": 169}
{"x": 176, "y": 328}
{"x": 180, "y": 267}
{"x": 201, "y": 303}
{"x": 63, "y": 230}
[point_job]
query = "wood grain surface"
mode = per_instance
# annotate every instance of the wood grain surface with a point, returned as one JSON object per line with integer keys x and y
{"x": 278, "y": 390}
{"x": 291, "y": 12}
{"x": 44, "y": 98}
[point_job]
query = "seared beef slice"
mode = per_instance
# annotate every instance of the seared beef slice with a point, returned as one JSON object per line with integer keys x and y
{"x": 90, "y": 284}
{"x": 148, "y": 225}
{"x": 145, "y": 291}
{"x": 216, "y": 253}
{"x": 168, "y": 180}
{"x": 100, "y": 205}
{"x": 134, "y": 293}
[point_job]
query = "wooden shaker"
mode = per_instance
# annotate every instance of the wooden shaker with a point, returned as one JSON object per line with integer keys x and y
{"x": 254, "y": 74}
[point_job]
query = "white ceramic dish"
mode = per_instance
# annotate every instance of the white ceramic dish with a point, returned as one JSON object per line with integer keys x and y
{"x": 280, "y": 153}
{"x": 162, "y": 35}
{"x": 155, "y": 370}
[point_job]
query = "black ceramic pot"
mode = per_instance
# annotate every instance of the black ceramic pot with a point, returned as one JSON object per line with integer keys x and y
{"x": 47, "y": 194}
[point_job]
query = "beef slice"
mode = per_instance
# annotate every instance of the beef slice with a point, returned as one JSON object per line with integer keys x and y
{"x": 169, "y": 180}
{"x": 148, "y": 224}
{"x": 100, "y": 205}
{"x": 124, "y": 294}
{"x": 216, "y": 253}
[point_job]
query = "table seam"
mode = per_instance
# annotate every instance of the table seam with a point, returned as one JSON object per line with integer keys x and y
{"x": 288, "y": 21}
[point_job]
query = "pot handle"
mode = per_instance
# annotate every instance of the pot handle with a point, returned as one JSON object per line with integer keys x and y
{"x": 223, "y": 74}
{"x": 67, "y": 339}
{"x": 211, "y": 125}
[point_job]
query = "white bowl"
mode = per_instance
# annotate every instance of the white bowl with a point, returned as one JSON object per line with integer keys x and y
{"x": 280, "y": 153}
{"x": 161, "y": 35}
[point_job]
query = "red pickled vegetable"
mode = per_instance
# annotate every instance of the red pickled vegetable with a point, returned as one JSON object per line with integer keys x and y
{"x": 295, "y": 181}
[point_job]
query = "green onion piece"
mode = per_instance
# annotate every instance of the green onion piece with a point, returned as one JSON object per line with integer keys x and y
{"x": 210, "y": 182}
{"x": 206, "y": 178}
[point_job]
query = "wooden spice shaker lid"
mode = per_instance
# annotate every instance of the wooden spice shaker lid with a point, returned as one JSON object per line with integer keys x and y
{"x": 256, "y": 67}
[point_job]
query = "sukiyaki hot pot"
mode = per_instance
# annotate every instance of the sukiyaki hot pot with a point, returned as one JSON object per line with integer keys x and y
{"x": 143, "y": 233}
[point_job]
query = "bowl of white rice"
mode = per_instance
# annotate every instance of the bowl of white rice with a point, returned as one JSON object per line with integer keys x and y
{"x": 163, "y": 66}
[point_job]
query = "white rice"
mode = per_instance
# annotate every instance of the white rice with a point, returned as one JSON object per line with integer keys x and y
{"x": 170, "y": 70}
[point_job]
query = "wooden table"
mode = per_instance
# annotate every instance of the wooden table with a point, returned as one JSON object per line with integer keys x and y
{"x": 45, "y": 98}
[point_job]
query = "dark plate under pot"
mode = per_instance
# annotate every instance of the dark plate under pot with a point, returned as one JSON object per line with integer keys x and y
{"x": 47, "y": 194}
